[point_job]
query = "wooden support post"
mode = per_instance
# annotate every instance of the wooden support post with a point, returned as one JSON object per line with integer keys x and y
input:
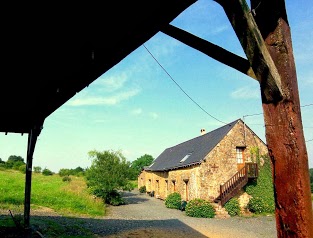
{"x": 284, "y": 130}
{"x": 32, "y": 139}
{"x": 253, "y": 45}
{"x": 281, "y": 106}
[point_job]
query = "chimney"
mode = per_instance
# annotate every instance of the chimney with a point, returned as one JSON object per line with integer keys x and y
{"x": 202, "y": 131}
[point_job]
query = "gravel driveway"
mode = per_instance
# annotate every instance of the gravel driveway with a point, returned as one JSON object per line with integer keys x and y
{"x": 145, "y": 216}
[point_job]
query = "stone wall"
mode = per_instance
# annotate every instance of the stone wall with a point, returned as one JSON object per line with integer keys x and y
{"x": 204, "y": 180}
{"x": 221, "y": 163}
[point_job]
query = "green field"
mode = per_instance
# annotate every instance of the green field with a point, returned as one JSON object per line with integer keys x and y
{"x": 49, "y": 192}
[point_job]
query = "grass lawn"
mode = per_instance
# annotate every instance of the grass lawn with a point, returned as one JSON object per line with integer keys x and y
{"x": 65, "y": 198}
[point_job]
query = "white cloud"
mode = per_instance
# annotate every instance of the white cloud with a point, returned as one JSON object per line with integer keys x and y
{"x": 246, "y": 93}
{"x": 154, "y": 115}
{"x": 112, "y": 83}
{"x": 219, "y": 29}
{"x": 110, "y": 100}
{"x": 136, "y": 111}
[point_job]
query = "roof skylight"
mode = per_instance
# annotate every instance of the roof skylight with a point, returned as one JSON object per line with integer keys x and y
{"x": 185, "y": 157}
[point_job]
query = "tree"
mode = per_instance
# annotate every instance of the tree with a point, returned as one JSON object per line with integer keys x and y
{"x": 138, "y": 164}
{"x": 14, "y": 162}
{"x": 37, "y": 169}
{"x": 47, "y": 172}
{"x": 2, "y": 163}
{"x": 76, "y": 172}
{"x": 64, "y": 172}
{"x": 15, "y": 158}
{"x": 108, "y": 173}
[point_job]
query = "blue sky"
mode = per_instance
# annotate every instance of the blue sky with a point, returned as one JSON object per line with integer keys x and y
{"x": 136, "y": 107}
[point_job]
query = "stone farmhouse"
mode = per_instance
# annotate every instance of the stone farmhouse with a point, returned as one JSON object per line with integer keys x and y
{"x": 213, "y": 166}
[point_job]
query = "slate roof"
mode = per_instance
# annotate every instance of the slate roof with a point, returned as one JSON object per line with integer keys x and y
{"x": 197, "y": 148}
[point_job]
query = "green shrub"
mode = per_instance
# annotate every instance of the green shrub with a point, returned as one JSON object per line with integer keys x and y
{"x": 128, "y": 187}
{"x": 47, "y": 172}
{"x": 22, "y": 168}
{"x": 17, "y": 165}
{"x": 142, "y": 189}
{"x": 173, "y": 200}
{"x": 66, "y": 179}
{"x": 115, "y": 198}
{"x": 200, "y": 208}
{"x": 37, "y": 169}
{"x": 262, "y": 189}
{"x": 232, "y": 207}
{"x": 311, "y": 187}
{"x": 257, "y": 205}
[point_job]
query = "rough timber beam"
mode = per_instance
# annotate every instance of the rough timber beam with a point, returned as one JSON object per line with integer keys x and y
{"x": 283, "y": 127}
{"x": 253, "y": 44}
{"x": 211, "y": 50}
{"x": 32, "y": 139}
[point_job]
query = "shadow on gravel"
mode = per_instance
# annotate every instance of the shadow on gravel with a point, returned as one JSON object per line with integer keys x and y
{"x": 67, "y": 226}
{"x": 131, "y": 198}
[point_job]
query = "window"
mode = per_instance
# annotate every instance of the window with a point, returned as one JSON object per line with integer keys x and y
{"x": 239, "y": 155}
{"x": 186, "y": 157}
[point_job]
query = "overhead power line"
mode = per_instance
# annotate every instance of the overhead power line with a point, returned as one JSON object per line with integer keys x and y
{"x": 182, "y": 88}
{"x": 308, "y": 105}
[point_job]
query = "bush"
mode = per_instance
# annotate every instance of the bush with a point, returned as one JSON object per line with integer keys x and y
{"x": 142, "y": 189}
{"x": 22, "y": 168}
{"x": 47, "y": 172}
{"x": 115, "y": 199}
{"x": 66, "y": 179}
{"x": 37, "y": 169}
{"x": 262, "y": 190}
{"x": 232, "y": 207}
{"x": 200, "y": 208}
{"x": 129, "y": 187}
{"x": 257, "y": 205}
{"x": 17, "y": 165}
{"x": 173, "y": 201}
{"x": 64, "y": 172}
{"x": 108, "y": 173}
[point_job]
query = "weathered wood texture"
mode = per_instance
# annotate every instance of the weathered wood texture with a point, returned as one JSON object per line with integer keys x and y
{"x": 281, "y": 106}
{"x": 216, "y": 52}
{"x": 254, "y": 47}
{"x": 284, "y": 131}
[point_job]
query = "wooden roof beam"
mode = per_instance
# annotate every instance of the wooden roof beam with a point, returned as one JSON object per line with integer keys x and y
{"x": 214, "y": 51}
{"x": 254, "y": 47}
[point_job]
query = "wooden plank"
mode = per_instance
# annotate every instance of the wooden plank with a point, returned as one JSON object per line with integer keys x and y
{"x": 254, "y": 47}
{"x": 216, "y": 52}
